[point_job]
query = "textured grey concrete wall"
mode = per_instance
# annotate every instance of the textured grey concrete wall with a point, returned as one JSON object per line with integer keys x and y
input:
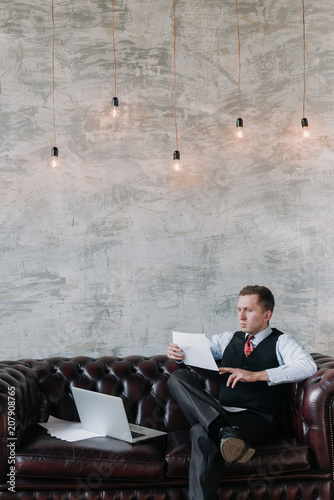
{"x": 114, "y": 250}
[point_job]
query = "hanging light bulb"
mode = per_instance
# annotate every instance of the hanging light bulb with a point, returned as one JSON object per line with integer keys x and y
{"x": 239, "y": 122}
{"x": 176, "y": 159}
{"x": 54, "y": 157}
{"x": 240, "y": 128}
{"x": 304, "y": 120}
{"x": 176, "y": 154}
{"x": 114, "y": 107}
{"x": 305, "y": 127}
{"x": 114, "y": 101}
{"x": 54, "y": 151}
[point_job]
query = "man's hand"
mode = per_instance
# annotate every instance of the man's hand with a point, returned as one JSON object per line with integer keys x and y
{"x": 238, "y": 375}
{"x": 174, "y": 352}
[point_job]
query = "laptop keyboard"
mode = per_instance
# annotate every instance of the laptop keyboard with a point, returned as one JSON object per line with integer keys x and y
{"x": 135, "y": 434}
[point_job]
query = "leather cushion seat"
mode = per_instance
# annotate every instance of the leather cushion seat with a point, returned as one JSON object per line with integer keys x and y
{"x": 102, "y": 457}
{"x": 279, "y": 458}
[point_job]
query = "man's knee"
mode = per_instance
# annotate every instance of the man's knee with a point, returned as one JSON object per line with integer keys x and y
{"x": 176, "y": 379}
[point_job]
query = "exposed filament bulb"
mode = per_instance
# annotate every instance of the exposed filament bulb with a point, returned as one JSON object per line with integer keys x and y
{"x": 114, "y": 107}
{"x": 176, "y": 159}
{"x": 240, "y": 128}
{"x": 54, "y": 157}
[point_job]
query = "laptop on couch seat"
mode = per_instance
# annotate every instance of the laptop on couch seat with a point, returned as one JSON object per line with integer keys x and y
{"x": 105, "y": 415}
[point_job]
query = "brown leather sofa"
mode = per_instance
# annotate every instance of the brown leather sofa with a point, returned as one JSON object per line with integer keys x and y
{"x": 299, "y": 465}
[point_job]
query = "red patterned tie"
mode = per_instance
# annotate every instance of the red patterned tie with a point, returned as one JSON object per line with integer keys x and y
{"x": 248, "y": 347}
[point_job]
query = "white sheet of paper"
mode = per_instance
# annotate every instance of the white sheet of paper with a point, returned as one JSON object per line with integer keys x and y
{"x": 196, "y": 350}
{"x": 66, "y": 430}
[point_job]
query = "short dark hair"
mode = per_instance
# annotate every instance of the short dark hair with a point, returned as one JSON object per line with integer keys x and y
{"x": 266, "y": 298}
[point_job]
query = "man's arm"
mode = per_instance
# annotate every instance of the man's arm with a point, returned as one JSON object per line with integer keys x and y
{"x": 218, "y": 343}
{"x": 295, "y": 362}
{"x": 239, "y": 375}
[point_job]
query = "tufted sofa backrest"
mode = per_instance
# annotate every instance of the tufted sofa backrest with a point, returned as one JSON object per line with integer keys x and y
{"x": 141, "y": 382}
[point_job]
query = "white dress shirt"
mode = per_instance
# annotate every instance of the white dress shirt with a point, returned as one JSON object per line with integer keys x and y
{"x": 295, "y": 363}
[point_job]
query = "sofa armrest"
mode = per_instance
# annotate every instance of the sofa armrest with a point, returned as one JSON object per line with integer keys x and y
{"x": 312, "y": 412}
{"x": 20, "y": 400}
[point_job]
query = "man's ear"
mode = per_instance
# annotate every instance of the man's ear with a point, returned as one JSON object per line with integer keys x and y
{"x": 268, "y": 315}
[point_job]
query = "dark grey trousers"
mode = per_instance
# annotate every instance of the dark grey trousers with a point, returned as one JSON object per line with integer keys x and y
{"x": 200, "y": 409}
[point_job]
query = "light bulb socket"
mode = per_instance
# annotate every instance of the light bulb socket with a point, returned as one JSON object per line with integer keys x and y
{"x": 114, "y": 102}
{"x": 239, "y": 123}
{"x": 176, "y": 155}
{"x": 54, "y": 151}
{"x": 304, "y": 122}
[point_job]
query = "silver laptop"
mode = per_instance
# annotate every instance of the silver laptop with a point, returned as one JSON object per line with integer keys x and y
{"x": 105, "y": 415}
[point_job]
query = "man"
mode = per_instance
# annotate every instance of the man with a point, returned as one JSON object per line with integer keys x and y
{"x": 256, "y": 365}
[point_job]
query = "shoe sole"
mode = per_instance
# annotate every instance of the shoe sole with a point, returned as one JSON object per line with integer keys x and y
{"x": 233, "y": 448}
{"x": 247, "y": 455}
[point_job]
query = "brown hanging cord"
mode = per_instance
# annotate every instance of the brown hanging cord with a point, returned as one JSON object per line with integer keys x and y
{"x": 236, "y": 5}
{"x": 113, "y": 38}
{"x": 304, "y": 48}
{"x": 53, "y": 77}
{"x": 177, "y": 141}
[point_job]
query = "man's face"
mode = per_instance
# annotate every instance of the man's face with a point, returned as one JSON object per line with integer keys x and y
{"x": 251, "y": 317}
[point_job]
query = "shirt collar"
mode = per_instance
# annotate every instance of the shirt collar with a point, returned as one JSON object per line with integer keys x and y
{"x": 260, "y": 336}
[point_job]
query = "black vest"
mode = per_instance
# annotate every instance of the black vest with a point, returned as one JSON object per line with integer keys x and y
{"x": 259, "y": 397}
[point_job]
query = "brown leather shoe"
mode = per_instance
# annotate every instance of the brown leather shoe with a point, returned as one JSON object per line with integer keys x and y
{"x": 232, "y": 447}
{"x": 247, "y": 455}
